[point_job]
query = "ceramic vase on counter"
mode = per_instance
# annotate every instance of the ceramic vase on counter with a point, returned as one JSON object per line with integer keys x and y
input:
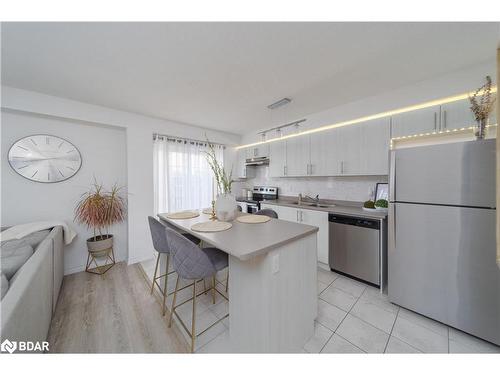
{"x": 225, "y": 207}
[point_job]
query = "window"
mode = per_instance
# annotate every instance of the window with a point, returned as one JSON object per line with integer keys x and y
{"x": 183, "y": 178}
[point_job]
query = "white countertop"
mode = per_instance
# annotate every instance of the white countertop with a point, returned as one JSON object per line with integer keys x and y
{"x": 245, "y": 241}
{"x": 338, "y": 208}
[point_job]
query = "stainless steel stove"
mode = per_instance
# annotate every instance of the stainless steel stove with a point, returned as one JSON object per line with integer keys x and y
{"x": 260, "y": 193}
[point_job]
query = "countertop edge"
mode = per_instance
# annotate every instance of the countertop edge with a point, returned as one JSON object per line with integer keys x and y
{"x": 200, "y": 235}
{"x": 338, "y": 209}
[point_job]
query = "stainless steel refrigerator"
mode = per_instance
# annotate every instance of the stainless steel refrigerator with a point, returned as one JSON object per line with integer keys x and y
{"x": 442, "y": 242}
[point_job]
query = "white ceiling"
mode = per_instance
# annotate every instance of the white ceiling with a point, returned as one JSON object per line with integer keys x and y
{"x": 223, "y": 75}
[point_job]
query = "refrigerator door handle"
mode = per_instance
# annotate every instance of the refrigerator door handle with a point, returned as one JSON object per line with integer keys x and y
{"x": 392, "y": 177}
{"x": 392, "y": 226}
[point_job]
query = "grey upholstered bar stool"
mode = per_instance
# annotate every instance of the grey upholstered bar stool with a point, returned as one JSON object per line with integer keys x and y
{"x": 267, "y": 212}
{"x": 161, "y": 246}
{"x": 194, "y": 263}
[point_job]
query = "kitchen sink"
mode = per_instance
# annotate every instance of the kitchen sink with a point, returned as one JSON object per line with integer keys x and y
{"x": 310, "y": 204}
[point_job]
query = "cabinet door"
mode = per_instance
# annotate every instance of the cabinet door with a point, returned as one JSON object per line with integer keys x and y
{"x": 277, "y": 159}
{"x": 324, "y": 153}
{"x": 349, "y": 147}
{"x": 284, "y": 213}
{"x": 318, "y": 219}
{"x": 416, "y": 122}
{"x": 374, "y": 152}
{"x": 297, "y": 156}
{"x": 241, "y": 169}
{"x": 456, "y": 115}
{"x": 258, "y": 151}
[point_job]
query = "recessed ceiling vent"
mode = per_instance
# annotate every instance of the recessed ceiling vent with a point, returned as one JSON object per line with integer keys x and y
{"x": 279, "y": 103}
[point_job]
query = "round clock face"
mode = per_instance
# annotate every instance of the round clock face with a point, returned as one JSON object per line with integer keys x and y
{"x": 45, "y": 158}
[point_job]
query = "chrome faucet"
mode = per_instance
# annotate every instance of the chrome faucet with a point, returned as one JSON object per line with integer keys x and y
{"x": 315, "y": 200}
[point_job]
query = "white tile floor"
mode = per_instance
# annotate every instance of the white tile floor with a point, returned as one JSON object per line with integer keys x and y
{"x": 352, "y": 318}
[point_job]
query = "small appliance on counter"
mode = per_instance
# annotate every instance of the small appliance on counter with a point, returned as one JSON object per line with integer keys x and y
{"x": 257, "y": 194}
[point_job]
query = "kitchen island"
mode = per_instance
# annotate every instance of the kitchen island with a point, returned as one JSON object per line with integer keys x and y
{"x": 272, "y": 282}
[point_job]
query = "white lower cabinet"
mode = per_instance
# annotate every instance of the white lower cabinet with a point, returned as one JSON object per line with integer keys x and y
{"x": 310, "y": 217}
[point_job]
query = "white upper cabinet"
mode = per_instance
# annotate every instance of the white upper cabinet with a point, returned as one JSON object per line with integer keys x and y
{"x": 374, "y": 151}
{"x": 456, "y": 115}
{"x": 242, "y": 171}
{"x": 420, "y": 121}
{"x": 324, "y": 153}
{"x": 297, "y": 156}
{"x": 258, "y": 151}
{"x": 349, "y": 156}
{"x": 277, "y": 159}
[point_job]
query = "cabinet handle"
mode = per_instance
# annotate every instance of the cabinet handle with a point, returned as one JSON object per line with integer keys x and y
{"x": 435, "y": 120}
{"x": 297, "y": 216}
{"x": 342, "y": 167}
{"x": 284, "y": 170}
{"x": 255, "y": 152}
{"x": 444, "y": 119}
{"x": 301, "y": 216}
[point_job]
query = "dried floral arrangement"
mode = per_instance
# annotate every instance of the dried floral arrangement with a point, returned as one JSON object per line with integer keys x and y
{"x": 99, "y": 209}
{"x": 482, "y": 103}
{"x": 223, "y": 180}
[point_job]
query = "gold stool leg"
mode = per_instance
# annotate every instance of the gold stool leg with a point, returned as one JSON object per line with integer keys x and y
{"x": 156, "y": 270}
{"x": 165, "y": 290}
{"x": 213, "y": 289}
{"x": 193, "y": 321}
{"x": 173, "y": 302}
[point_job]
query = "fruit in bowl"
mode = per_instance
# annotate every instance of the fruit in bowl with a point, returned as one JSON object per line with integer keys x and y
{"x": 381, "y": 204}
{"x": 369, "y": 205}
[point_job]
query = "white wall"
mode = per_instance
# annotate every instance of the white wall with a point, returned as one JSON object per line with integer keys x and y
{"x": 356, "y": 188}
{"x": 103, "y": 156}
{"x": 139, "y": 150}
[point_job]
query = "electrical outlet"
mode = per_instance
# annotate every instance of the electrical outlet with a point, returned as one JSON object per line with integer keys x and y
{"x": 275, "y": 263}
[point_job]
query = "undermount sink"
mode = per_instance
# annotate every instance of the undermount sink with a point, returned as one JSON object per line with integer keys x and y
{"x": 310, "y": 204}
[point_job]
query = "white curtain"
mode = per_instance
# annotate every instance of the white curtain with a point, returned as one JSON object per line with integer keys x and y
{"x": 183, "y": 179}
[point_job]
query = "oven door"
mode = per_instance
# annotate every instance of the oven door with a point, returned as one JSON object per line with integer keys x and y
{"x": 252, "y": 208}
{"x": 242, "y": 206}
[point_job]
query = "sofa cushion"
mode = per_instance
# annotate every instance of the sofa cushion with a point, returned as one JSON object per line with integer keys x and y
{"x": 4, "y": 284}
{"x": 35, "y": 238}
{"x": 14, "y": 254}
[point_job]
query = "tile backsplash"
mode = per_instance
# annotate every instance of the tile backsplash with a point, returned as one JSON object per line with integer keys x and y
{"x": 359, "y": 188}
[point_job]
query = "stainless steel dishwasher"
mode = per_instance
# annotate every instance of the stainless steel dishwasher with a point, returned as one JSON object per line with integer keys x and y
{"x": 355, "y": 247}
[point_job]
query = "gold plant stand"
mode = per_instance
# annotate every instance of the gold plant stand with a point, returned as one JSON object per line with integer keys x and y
{"x": 92, "y": 258}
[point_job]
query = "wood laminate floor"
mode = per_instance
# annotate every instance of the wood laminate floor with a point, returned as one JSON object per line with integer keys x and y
{"x": 113, "y": 313}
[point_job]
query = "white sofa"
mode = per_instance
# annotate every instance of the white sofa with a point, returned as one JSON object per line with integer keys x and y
{"x": 30, "y": 301}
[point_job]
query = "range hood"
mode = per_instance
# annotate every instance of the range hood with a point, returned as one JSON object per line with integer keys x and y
{"x": 264, "y": 160}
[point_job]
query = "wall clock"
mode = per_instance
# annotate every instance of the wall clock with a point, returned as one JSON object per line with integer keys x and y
{"x": 44, "y": 158}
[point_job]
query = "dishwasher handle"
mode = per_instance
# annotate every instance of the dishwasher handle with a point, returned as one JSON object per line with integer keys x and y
{"x": 356, "y": 221}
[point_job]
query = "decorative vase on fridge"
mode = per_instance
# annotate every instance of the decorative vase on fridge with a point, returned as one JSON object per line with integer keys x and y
{"x": 480, "y": 129}
{"x": 226, "y": 207}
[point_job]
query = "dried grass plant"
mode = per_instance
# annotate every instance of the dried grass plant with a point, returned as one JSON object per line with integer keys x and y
{"x": 223, "y": 180}
{"x": 482, "y": 102}
{"x": 99, "y": 209}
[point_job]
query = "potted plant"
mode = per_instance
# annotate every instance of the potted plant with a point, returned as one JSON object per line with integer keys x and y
{"x": 225, "y": 205}
{"x": 381, "y": 204}
{"x": 99, "y": 209}
{"x": 482, "y": 107}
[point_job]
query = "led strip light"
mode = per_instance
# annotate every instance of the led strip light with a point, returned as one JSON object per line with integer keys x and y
{"x": 413, "y": 136}
{"x": 432, "y": 103}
